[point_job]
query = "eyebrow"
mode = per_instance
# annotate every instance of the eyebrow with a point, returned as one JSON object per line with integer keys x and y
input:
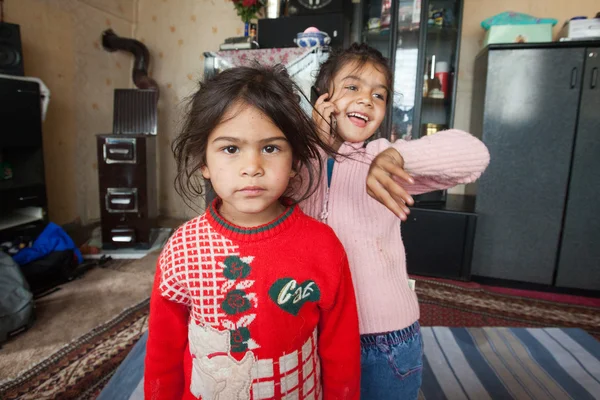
{"x": 232, "y": 139}
{"x": 362, "y": 81}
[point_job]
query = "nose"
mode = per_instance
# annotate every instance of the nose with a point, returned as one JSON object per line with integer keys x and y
{"x": 252, "y": 164}
{"x": 365, "y": 99}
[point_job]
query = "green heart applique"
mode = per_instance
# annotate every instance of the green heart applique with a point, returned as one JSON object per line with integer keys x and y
{"x": 291, "y": 296}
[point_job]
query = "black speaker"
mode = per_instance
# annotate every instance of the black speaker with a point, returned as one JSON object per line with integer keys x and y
{"x": 312, "y": 7}
{"x": 281, "y": 32}
{"x": 11, "y": 55}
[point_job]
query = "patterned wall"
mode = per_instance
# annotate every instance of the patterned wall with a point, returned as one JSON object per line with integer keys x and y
{"x": 177, "y": 33}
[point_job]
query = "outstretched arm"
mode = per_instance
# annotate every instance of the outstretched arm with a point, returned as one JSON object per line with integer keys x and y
{"x": 435, "y": 162}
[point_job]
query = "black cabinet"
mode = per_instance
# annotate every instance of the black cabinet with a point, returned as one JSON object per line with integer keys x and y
{"x": 438, "y": 239}
{"x": 127, "y": 183}
{"x": 579, "y": 257}
{"x": 537, "y": 109}
{"x": 423, "y": 50}
{"x": 22, "y": 179}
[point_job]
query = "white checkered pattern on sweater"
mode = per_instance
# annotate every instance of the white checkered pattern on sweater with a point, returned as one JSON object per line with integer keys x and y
{"x": 293, "y": 376}
{"x": 191, "y": 274}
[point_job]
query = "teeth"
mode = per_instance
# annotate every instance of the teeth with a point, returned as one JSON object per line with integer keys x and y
{"x": 361, "y": 116}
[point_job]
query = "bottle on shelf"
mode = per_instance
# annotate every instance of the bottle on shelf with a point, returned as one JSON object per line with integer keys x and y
{"x": 442, "y": 74}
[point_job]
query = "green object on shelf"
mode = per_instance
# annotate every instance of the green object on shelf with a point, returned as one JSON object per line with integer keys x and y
{"x": 515, "y": 18}
{"x": 6, "y": 171}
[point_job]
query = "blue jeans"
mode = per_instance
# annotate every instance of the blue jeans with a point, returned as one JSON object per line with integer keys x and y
{"x": 391, "y": 364}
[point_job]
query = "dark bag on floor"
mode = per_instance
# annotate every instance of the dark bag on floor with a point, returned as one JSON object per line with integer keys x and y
{"x": 16, "y": 301}
{"x": 54, "y": 269}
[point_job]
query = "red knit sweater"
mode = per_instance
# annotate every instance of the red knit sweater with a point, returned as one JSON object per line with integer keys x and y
{"x": 253, "y": 313}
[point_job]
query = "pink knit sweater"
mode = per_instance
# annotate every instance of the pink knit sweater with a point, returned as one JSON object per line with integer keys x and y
{"x": 370, "y": 232}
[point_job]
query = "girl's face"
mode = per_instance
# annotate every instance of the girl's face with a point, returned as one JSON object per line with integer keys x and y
{"x": 360, "y": 95}
{"x": 249, "y": 164}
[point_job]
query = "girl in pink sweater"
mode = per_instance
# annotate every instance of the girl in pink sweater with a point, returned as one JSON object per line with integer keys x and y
{"x": 356, "y": 86}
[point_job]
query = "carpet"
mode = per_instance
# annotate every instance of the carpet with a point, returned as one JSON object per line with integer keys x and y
{"x": 81, "y": 370}
{"x": 465, "y": 363}
{"x": 68, "y": 316}
{"x": 445, "y": 303}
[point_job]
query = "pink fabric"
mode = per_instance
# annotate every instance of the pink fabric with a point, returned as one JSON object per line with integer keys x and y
{"x": 285, "y": 56}
{"x": 370, "y": 232}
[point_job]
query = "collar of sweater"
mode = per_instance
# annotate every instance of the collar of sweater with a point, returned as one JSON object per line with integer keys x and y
{"x": 250, "y": 234}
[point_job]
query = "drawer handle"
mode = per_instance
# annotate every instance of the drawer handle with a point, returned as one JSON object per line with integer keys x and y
{"x": 118, "y": 151}
{"x": 120, "y": 201}
{"x": 123, "y": 238}
{"x": 27, "y": 198}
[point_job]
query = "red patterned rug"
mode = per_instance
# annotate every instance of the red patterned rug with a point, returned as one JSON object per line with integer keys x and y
{"x": 447, "y": 303}
{"x": 82, "y": 369}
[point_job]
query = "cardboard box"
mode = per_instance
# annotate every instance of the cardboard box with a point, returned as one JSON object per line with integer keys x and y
{"x": 537, "y": 33}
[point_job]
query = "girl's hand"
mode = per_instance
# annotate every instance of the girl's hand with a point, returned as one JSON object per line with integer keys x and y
{"x": 322, "y": 114}
{"x": 384, "y": 182}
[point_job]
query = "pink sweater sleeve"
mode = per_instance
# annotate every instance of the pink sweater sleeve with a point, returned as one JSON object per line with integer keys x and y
{"x": 439, "y": 161}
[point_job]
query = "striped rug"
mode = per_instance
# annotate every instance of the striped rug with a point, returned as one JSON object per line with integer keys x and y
{"x": 510, "y": 363}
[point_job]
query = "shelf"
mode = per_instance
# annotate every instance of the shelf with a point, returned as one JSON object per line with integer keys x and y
{"x": 377, "y": 36}
{"x": 430, "y": 101}
{"x": 384, "y": 34}
{"x": 13, "y": 184}
{"x": 20, "y": 217}
{"x": 436, "y": 30}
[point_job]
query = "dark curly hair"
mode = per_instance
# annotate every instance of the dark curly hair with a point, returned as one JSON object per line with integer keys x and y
{"x": 359, "y": 53}
{"x": 271, "y": 91}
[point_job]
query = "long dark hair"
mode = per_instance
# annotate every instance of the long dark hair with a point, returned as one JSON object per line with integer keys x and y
{"x": 271, "y": 91}
{"x": 361, "y": 54}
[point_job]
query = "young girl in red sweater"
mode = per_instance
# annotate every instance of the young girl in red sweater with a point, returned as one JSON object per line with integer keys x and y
{"x": 252, "y": 299}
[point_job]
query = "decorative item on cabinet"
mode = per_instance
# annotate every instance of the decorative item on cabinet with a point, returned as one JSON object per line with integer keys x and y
{"x": 281, "y": 32}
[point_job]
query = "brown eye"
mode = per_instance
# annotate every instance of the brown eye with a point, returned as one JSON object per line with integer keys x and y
{"x": 230, "y": 149}
{"x": 271, "y": 149}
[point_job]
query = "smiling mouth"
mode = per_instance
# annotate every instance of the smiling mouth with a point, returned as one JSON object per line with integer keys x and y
{"x": 358, "y": 119}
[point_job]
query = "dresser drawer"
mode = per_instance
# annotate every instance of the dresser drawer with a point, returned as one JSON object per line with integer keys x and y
{"x": 118, "y": 200}
{"x": 127, "y": 230}
{"x": 119, "y": 151}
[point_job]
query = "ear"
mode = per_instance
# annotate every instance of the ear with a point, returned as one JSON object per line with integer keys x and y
{"x": 205, "y": 172}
